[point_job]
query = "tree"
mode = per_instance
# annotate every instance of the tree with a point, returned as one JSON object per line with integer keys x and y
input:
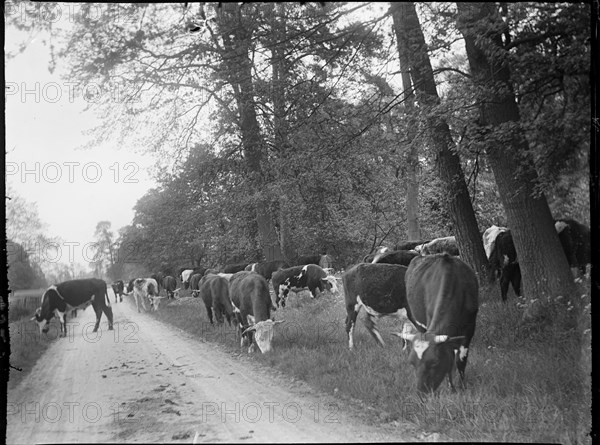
{"x": 22, "y": 273}
{"x": 464, "y": 223}
{"x": 527, "y": 211}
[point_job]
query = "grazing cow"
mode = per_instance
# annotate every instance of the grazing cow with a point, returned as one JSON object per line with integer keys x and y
{"x": 379, "y": 288}
{"x": 146, "y": 288}
{"x": 369, "y": 258}
{"x": 409, "y": 245}
{"x": 267, "y": 268}
{"x": 440, "y": 245}
{"x": 214, "y": 291}
{"x": 575, "y": 240}
{"x": 233, "y": 268}
{"x": 297, "y": 278}
{"x": 118, "y": 288}
{"x": 75, "y": 294}
{"x": 442, "y": 293}
{"x": 195, "y": 284}
{"x": 252, "y": 305}
{"x": 170, "y": 285}
{"x": 401, "y": 257}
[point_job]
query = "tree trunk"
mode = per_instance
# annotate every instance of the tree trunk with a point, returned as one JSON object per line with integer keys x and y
{"x": 412, "y": 183}
{"x": 459, "y": 205}
{"x": 544, "y": 267}
{"x": 236, "y": 41}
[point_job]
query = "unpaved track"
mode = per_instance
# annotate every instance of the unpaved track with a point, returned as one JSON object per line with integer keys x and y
{"x": 149, "y": 382}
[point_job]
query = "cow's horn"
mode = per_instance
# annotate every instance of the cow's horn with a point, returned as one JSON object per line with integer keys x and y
{"x": 405, "y": 335}
{"x": 251, "y": 328}
{"x": 440, "y": 338}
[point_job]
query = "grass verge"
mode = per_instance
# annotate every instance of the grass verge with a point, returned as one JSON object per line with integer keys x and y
{"x": 525, "y": 383}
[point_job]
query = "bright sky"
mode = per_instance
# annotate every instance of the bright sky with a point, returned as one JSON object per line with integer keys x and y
{"x": 74, "y": 188}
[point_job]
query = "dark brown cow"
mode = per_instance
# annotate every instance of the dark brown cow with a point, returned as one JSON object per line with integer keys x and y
{"x": 249, "y": 293}
{"x": 214, "y": 291}
{"x": 297, "y": 278}
{"x": 267, "y": 268}
{"x": 401, "y": 257}
{"x": 442, "y": 293}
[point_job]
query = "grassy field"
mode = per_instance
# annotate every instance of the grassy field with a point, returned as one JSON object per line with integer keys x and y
{"x": 26, "y": 343}
{"x": 525, "y": 383}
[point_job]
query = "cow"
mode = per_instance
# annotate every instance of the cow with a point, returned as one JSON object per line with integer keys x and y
{"x": 401, "y": 257}
{"x": 187, "y": 273}
{"x": 308, "y": 259}
{"x": 195, "y": 284}
{"x": 170, "y": 285}
{"x": 500, "y": 250}
{"x": 146, "y": 288}
{"x": 369, "y": 258}
{"x": 267, "y": 268}
{"x": 326, "y": 262}
{"x": 74, "y": 294}
{"x": 233, "y": 268}
{"x": 440, "y": 245}
{"x": 410, "y": 245}
{"x": 211, "y": 272}
{"x": 158, "y": 277}
{"x": 575, "y": 240}
{"x": 442, "y": 293}
{"x": 251, "y": 301}
{"x": 214, "y": 291}
{"x": 118, "y": 288}
{"x": 250, "y": 267}
{"x": 297, "y": 278}
{"x": 380, "y": 289}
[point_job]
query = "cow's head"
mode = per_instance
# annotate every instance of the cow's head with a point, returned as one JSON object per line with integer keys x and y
{"x": 176, "y": 293}
{"x": 263, "y": 333}
{"x": 330, "y": 284}
{"x": 432, "y": 356}
{"x": 154, "y": 301}
{"x": 41, "y": 321}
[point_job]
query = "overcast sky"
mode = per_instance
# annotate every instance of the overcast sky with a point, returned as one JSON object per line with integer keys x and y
{"x": 74, "y": 188}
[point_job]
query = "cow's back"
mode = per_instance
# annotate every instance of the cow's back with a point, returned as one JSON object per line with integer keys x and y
{"x": 84, "y": 287}
{"x": 250, "y": 293}
{"x": 442, "y": 293}
{"x": 381, "y": 285}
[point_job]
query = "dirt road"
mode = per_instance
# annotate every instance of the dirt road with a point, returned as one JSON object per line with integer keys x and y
{"x": 149, "y": 382}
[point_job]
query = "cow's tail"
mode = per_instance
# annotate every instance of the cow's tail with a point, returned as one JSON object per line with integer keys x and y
{"x": 106, "y": 295}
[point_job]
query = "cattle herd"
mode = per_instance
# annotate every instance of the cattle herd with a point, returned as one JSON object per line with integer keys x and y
{"x": 424, "y": 283}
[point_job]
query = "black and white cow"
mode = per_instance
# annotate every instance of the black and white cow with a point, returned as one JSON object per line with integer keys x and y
{"x": 170, "y": 285}
{"x": 500, "y": 250}
{"x": 146, "y": 288}
{"x": 118, "y": 288}
{"x": 187, "y": 274}
{"x": 380, "y": 289}
{"x": 446, "y": 244}
{"x": 75, "y": 294}
{"x": 267, "y": 268}
{"x": 158, "y": 277}
{"x": 442, "y": 293}
{"x": 251, "y": 301}
{"x": 214, "y": 291}
{"x": 233, "y": 268}
{"x": 297, "y": 278}
{"x": 249, "y": 268}
{"x": 401, "y": 257}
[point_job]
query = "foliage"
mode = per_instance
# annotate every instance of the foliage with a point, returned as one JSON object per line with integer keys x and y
{"x": 22, "y": 273}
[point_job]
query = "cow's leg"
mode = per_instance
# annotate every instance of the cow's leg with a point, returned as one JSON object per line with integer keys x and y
{"x": 352, "y": 313}
{"x": 504, "y": 281}
{"x": 516, "y": 279}
{"x": 109, "y": 315}
{"x": 98, "y": 312}
{"x": 121, "y": 297}
{"x": 62, "y": 318}
{"x": 371, "y": 324}
{"x": 209, "y": 312}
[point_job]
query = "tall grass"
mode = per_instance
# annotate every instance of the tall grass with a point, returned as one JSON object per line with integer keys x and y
{"x": 525, "y": 382}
